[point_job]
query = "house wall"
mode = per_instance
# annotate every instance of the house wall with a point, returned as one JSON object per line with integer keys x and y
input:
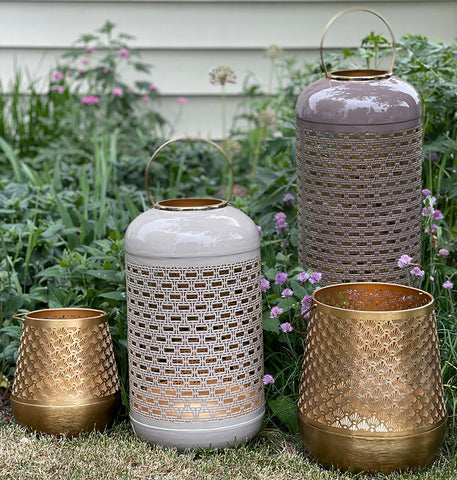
{"x": 184, "y": 39}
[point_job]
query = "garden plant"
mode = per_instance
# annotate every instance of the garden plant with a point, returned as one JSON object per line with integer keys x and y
{"x": 73, "y": 149}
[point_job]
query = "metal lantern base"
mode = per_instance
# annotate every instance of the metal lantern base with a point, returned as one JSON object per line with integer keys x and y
{"x": 370, "y": 451}
{"x": 68, "y": 420}
{"x": 218, "y": 434}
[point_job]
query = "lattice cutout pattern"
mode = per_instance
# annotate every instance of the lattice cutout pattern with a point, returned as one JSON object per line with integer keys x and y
{"x": 69, "y": 363}
{"x": 359, "y": 203}
{"x": 195, "y": 341}
{"x": 376, "y": 375}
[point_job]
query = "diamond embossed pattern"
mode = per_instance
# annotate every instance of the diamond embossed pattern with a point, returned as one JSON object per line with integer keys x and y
{"x": 65, "y": 363}
{"x": 358, "y": 202}
{"x": 376, "y": 372}
{"x": 195, "y": 341}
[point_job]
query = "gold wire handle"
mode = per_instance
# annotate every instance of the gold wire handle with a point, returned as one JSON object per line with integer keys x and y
{"x": 191, "y": 138}
{"x": 19, "y": 316}
{"x": 356, "y": 9}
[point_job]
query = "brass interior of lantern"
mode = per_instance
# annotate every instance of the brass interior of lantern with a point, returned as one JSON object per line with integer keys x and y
{"x": 360, "y": 74}
{"x": 65, "y": 313}
{"x": 191, "y": 204}
{"x": 372, "y": 297}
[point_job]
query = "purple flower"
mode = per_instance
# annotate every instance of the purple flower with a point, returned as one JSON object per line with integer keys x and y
{"x": 84, "y": 60}
{"x": 426, "y": 192}
{"x": 432, "y": 279}
{"x": 117, "y": 92}
{"x": 123, "y": 52}
{"x": 286, "y": 327}
{"x": 281, "y": 223}
{"x": 69, "y": 73}
{"x": 306, "y": 304}
{"x": 417, "y": 272}
{"x": 268, "y": 379}
{"x": 315, "y": 277}
{"x": 145, "y": 98}
{"x": 181, "y": 100}
{"x": 82, "y": 71}
{"x": 60, "y": 89}
{"x": 264, "y": 284}
{"x": 303, "y": 276}
{"x": 426, "y": 211}
{"x": 287, "y": 292}
{"x": 448, "y": 285}
{"x": 275, "y": 312}
{"x": 58, "y": 75}
{"x": 280, "y": 278}
{"x": 404, "y": 261}
{"x": 259, "y": 228}
{"x": 442, "y": 252}
{"x": 90, "y": 49}
{"x": 153, "y": 87}
{"x": 90, "y": 99}
{"x": 288, "y": 197}
{"x": 437, "y": 215}
{"x": 106, "y": 71}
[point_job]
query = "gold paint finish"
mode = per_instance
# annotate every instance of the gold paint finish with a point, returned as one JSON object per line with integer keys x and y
{"x": 371, "y": 394}
{"x": 66, "y": 376}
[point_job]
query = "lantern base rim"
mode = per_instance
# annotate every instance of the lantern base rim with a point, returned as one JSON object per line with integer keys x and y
{"x": 66, "y": 419}
{"x": 215, "y": 434}
{"x": 375, "y": 452}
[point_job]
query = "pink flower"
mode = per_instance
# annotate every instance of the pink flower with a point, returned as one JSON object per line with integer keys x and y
{"x": 288, "y": 197}
{"x": 106, "y": 71}
{"x": 82, "y": 71}
{"x": 60, "y": 89}
{"x": 287, "y": 292}
{"x": 281, "y": 223}
{"x": 90, "y": 49}
{"x": 404, "y": 261}
{"x": 315, "y": 277}
{"x": 306, "y": 305}
{"x": 123, "y": 52}
{"x": 153, "y": 87}
{"x": 58, "y": 75}
{"x": 280, "y": 278}
{"x": 264, "y": 284}
{"x": 442, "y": 252}
{"x": 259, "y": 228}
{"x": 181, "y": 100}
{"x": 303, "y": 276}
{"x": 448, "y": 285}
{"x": 275, "y": 312}
{"x": 286, "y": 327}
{"x": 426, "y": 192}
{"x": 84, "y": 60}
{"x": 417, "y": 272}
{"x": 268, "y": 379}
{"x": 145, "y": 98}
{"x": 432, "y": 279}
{"x": 69, "y": 73}
{"x": 90, "y": 100}
{"x": 117, "y": 92}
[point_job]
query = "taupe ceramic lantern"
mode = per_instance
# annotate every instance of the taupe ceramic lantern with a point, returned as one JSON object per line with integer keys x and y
{"x": 194, "y": 312}
{"x": 359, "y": 156}
{"x": 371, "y": 394}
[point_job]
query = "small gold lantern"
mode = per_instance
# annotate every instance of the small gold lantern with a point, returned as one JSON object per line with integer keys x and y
{"x": 371, "y": 393}
{"x": 66, "y": 378}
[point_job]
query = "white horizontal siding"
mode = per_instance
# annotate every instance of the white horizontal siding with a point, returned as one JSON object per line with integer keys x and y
{"x": 184, "y": 39}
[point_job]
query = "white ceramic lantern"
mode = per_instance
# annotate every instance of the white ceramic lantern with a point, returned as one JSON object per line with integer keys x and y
{"x": 194, "y": 312}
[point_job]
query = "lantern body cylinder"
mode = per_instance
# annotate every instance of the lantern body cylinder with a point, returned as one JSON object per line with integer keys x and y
{"x": 371, "y": 394}
{"x": 359, "y": 157}
{"x": 194, "y": 312}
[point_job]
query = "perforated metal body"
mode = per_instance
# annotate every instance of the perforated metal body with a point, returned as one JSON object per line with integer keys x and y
{"x": 359, "y": 157}
{"x": 194, "y": 327}
{"x": 371, "y": 393}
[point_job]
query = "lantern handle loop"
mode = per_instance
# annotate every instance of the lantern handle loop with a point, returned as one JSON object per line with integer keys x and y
{"x": 19, "y": 316}
{"x": 192, "y": 138}
{"x": 356, "y": 9}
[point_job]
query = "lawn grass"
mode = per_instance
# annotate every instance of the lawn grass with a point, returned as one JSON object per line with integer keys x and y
{"x": 119, "y": 454}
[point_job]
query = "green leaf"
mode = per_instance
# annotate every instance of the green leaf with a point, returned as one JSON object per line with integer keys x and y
{"x": 270, "y": 324}
{"x": 286, "y": 410}
{"x": 113, "y": 296}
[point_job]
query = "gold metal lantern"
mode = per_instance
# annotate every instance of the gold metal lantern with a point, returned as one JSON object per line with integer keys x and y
{"x": 66, "y": 378}
{"x": 359, "y": 159}
{"x": 371, "y": 393}
{"x": 194, "y": 310}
